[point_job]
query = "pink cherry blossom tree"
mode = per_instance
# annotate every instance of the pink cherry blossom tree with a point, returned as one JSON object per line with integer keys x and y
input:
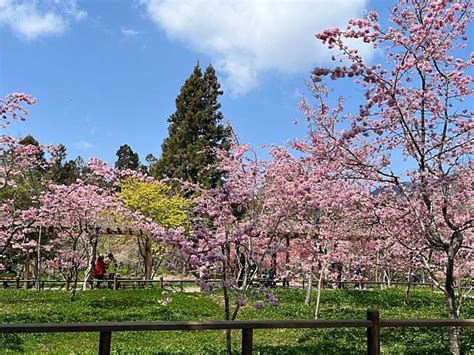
{"x": 77, "y": 212}
{"x": 414, "y": 107}
{"x": 17, "y": 164}
{"x": 234, "y": 231}
{"x": 322, "y": 211}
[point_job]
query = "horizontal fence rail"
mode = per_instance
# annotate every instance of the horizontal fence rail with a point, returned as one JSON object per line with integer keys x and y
{"x": 114, "y": 283}
{"x": 422, "y": 323}
{"x": 373, "y": 323}
{"x": 179, "y": 325}
{"x": 120, "y": 282}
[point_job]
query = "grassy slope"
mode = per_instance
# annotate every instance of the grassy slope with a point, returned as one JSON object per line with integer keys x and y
{"x": 104, "y": 305}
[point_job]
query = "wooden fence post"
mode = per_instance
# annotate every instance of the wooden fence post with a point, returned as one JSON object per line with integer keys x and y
{"x": 104, "y": 343}
{"x": 17, "y": 282}
{"x": 373, "y": 333}
{"x": 114, "y": 285}
{"x": 162, "y": 282}
{"x": 247, "y": 341}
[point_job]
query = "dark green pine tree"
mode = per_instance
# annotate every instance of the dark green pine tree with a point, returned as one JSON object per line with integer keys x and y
{"x": 127, "y": 158}
{"x": 64, "y": 172}
{"x": 196, "y": 129}
{"x": 30, "y": 140}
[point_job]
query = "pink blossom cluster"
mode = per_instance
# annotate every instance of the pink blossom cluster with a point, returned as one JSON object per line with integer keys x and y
{"x": 11, "y": 107}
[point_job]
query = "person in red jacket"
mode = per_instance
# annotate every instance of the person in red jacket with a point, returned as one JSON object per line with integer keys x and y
{"x": 99, "y": 269}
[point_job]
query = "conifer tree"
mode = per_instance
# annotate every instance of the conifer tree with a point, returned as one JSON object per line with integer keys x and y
{"x": 127, "y": 158}
{"x": 30, "y": 140}
{"x": 63, "y": 172}
{"x": 195, "y": 130}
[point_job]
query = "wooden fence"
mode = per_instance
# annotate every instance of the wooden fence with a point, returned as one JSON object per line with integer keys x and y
{"x": 122, "y": 282}
{"x": 115, "y": 283}
{"x": 373, "y": 323}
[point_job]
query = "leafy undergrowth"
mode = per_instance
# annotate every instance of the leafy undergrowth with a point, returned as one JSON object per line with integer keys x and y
{"x": 19, "y": 306}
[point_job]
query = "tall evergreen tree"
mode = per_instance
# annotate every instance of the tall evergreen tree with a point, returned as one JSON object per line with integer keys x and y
{"x": 64, "y": 172}
{"x": 30, "y": 140}
{"x": 195, "y": 130}
{"x": 127, "y": 158}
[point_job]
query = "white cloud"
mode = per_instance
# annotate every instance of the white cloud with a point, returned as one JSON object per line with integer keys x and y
{"x": 83, "y": 145}
{"x": 31, "y": 19}
{"x": 246, "y": 38}
{"x": 129, "y": 32}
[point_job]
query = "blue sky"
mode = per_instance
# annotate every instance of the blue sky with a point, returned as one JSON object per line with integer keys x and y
{"x": 106, "y": 73}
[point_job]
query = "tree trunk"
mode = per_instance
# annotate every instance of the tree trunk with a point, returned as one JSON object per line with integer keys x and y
{"x": 455, "y": 331}
{"x": 273, "y": 270}
{"x": 377, "y": 266}
{"x": 287, "y": 262}
{"x": 242, "y": 272}
{"x": 452, "y": 306}
{"x": 407, "y": 291}
{"x": 340, "y": 268}
{"x": 228, "y": 333}
{"x": 75, "y": 267}
{"x": 76, "y": 280}
{"x": 38, "y": 262}
{"x": 27, "y": 270}
{"x": 388, "y": 278}
{"x": 309, "y": 288}
{"x": 92, "y": 253}
{"x": 318, "y": 298}
{"x": 148, "y": 260}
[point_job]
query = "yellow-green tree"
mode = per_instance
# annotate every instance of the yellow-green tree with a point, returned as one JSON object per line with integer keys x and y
{"x": 162, "y": 204}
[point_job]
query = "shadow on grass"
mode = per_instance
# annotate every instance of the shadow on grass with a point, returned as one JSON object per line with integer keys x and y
{"x": 11, "y": 342}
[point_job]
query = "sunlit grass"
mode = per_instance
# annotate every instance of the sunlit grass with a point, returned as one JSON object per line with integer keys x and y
{"x": 133, "y": 305}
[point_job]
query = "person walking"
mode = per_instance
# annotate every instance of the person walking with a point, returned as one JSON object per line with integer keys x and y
{"x": 112, "y": 268}
{"x": 100, "y": 269}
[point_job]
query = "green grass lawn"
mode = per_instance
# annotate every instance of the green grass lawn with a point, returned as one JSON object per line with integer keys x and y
{"x": 20, "y": 306}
